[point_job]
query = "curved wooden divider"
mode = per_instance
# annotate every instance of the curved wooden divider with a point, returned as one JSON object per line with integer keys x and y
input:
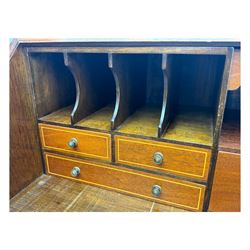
{"x": 130, "y": 90}
{"x": 93, "y": 83}
{"x": 166, "y": 112}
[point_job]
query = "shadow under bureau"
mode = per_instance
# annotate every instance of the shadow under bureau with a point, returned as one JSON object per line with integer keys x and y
{"x": 140, "y": 120}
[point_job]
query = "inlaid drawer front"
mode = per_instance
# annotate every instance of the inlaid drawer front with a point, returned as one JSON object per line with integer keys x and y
{"x": 75, "y": 141}
{"x": 169, "y": 191}
{"x": 175, "y": 159}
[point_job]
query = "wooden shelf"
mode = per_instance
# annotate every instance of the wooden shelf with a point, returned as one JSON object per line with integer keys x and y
{"x": 143, "y": 122}
{"x": 61, "y": 116}
{"x": 99, "y": 120}
{"x": 194, "y": 127}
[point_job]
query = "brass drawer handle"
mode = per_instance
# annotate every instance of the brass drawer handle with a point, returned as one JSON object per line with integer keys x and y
{"x": 75, "y": 171}
{"x": 156, "y": 190}
{"x": 158, "y": 158}
{"x": 72, "y": 143}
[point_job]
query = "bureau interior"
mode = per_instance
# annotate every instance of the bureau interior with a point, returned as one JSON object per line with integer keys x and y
{"x": 96, "y": 90}
{"x": 174, "y": 97}
{"x": 194, "y": 90}
{"x": 141, "y": 87}
{"x": 54, "y": 87}
{"x": 83, "y": 78}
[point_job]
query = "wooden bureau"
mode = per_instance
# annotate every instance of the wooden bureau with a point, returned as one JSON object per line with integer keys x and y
{"x": 140, "y": 119}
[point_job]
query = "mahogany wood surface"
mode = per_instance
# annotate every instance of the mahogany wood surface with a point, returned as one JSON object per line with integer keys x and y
{"x": 191, "y": 126}
{"x": 225, "y": 196}
{"x": 99, "y": 120}
{"x": 143, "y": 122}
{"x": 197, "y": 79}
{"x": 25, "y": 155}
{"x": 54, "y": 86}
{"x": 230, "y": 135}
{"x": 132, "y": 50}
{"x": 60, "y": 117}
{"x": 94, "y": 83}
{"x": 168, "y": 95}
{"x": 179, "y": 160}
{"x": 130, "y": 77}
{"x": 90, "y": 144}
{"x": 219, "y": 110}
{"x": 178, "y": 193}
{"x": 234, "y": 78}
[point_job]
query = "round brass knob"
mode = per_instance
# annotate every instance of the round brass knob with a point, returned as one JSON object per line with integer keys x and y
{"x": 156, "y": 190}
{"x": 158, "y": 158}
{"x": 75, "y": 171}
{"x": 72, "y": 143}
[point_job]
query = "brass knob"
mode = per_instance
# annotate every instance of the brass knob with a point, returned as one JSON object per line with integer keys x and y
{"x": 156, "y": 190}
{"x": 158, "y": 158}
{"x": 75, "y": 171}
{"x": 72, "y": 143}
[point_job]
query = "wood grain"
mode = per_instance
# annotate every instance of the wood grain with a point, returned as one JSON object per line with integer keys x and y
{"x": 191, "y": 126}
{"x": 143, "y": 122}
{"x": 230, "y": 133}
{"x": 197, "y": 79}
{"x": 25, "y": 154}
{"x": 234, "y": 78}
{"x": 61, "y": 116}
{"x": 179, "y": 160}
{"x": 99, "y": 120}
{"x": 225, "y": 196}
{"x": 43, "y": 42}
{"x": 129, "y": 72}
{"x": 178, "y": 193}
{"x": 94, "y": 83}
{"x": 54, "y": 194}
{"x": 168, "y": 104}
{"x": 233, "y": 99}
{"x": 90, "y": 144}
{"x": 220, "y": 108}
{"x": 135, "y": 50}
{"x": 54, "y": 85}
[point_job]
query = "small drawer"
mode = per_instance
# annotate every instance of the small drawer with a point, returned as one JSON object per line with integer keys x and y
{"x": 171, "y": 158}
{"x": 168, "y": 191}
{"x": 75, "y": 141}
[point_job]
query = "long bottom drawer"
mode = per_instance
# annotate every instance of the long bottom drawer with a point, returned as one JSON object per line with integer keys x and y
{"x": 169, "y": 191}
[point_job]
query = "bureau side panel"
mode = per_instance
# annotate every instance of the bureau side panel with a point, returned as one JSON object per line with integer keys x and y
{"x": 225, "y": 196}
{"x": 25, "y": 156}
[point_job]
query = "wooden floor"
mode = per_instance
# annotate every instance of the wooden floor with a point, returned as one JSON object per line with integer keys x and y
{"x": 53, "y": 194}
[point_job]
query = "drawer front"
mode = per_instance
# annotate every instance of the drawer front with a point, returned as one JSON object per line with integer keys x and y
{"x": 171, "y": 158}
{"x": 89, "y": 144}
{"x": 177, "y": 193}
